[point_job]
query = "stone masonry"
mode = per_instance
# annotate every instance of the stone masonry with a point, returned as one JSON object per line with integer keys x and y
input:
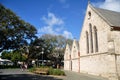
{"x": 98, "y": 50}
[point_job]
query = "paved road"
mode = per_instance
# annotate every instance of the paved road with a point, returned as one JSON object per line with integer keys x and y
{"x": 17, "y": 74}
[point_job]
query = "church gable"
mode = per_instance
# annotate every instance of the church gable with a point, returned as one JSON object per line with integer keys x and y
{"x": 75, "y": 50}
{"x": 67, "y": 52}
{"x": 94, "y": 33}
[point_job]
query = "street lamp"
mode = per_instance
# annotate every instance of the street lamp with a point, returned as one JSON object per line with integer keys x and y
{"x": 42, "y": 56}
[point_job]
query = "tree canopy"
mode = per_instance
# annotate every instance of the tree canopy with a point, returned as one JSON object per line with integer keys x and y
{"x": 53, "y": 47}
{"x": 37, "y": 47}
{"x": 14, "y": 32}
{"x": 13, "y": 56}
{"x": 58, "y": 44}
{"x": 18, "y": 35}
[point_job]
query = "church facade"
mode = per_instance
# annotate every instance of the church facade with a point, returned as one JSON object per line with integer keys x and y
{"x": 98, "y": 50}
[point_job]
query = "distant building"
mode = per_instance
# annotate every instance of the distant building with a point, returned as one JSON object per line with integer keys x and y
{"x": 72, "y": 57}
{"x": 98, "y": 50}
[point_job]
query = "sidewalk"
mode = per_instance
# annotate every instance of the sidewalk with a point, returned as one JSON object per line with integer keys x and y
{"x": 79, "y": 76}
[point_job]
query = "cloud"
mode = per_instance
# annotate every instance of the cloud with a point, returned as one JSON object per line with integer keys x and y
{"x": 54, "y": 25}
{"x": 113, "y": 5}
{"x": 46, "y": 29}
{"x": 67, "y": 34}
{"x": 64, "y": 3}
{"x": 52, "y": 20}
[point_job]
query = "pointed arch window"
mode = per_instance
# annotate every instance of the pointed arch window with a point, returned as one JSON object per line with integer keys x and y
{"x": 91, "y": 38}
{"x": 96, "y": 39}
{"x": 87, "y": 42}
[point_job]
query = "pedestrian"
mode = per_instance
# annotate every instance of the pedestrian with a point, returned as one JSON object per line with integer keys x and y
{"x": 26, "y": 66}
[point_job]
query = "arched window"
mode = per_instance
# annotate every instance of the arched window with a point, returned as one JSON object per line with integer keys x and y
{"x": 87, "y": 42}
{"x": 91, "y": 38}
{"x": 95, "y": 39}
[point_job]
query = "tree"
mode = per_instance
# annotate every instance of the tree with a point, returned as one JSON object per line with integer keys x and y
{"x": 6, "y": 55}
{"x": 14, "y": 32}
{"x": 58, "y": 44}
{"x": 16, "y": 56}
{"x": 37, "y": 47}
{"x": 13, "y": 56}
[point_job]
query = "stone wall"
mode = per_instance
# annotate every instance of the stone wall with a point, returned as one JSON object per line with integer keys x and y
{"x": 101, "y": 64}
{"x": 76, "y": 65}
{"x": 118, "y": 65}
{"x": 115, "y": 36}
{"x": 67, "y": 58}
{"x": 67, "y": 65}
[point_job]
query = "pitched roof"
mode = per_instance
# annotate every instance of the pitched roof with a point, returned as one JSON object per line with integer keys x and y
{"x": 111, "y": 17}
{"x": 69, "y": 46}
{"x": 77, "y": 44}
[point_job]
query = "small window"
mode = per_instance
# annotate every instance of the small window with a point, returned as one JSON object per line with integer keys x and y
{"x": 89, "y": 15}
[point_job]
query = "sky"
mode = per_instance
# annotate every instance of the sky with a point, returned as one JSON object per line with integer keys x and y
{"x": 58, "y": 17}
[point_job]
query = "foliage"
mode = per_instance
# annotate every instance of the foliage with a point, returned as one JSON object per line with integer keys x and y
{"x": 14, "y": 32}
{"x": 52, "y": 71}
{"x": 17, "y": 56}
{"x": 37, "y": 47}
{"x": 32, "y": 69}
{"x": 6, "y": 55}
{"x": 13, "y": 56}
{"x": 58, "y": 43}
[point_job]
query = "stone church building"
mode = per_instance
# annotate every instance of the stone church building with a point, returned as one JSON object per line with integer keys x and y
{"x": 98, "y": 50}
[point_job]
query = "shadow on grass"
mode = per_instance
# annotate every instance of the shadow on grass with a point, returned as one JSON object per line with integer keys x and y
{"x": 26, "y": 77}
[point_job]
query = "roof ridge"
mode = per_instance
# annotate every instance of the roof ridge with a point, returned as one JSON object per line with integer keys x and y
{"x": 107, "y": 10}
{"x": 112, "y": 18}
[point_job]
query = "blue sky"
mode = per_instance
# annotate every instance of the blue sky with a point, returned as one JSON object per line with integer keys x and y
{"x": 64, "y": 17}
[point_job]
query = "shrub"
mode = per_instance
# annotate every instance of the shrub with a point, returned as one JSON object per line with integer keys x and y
{"x": 52, "y": 71}
{"x": 32, "y": 69}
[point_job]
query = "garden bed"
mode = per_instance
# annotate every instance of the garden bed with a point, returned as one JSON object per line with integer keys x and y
{"x": 47, "y": 71}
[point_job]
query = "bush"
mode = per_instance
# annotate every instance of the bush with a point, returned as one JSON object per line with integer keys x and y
{"x": 52, "y": 71}
{"x": 32, "y": 69}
